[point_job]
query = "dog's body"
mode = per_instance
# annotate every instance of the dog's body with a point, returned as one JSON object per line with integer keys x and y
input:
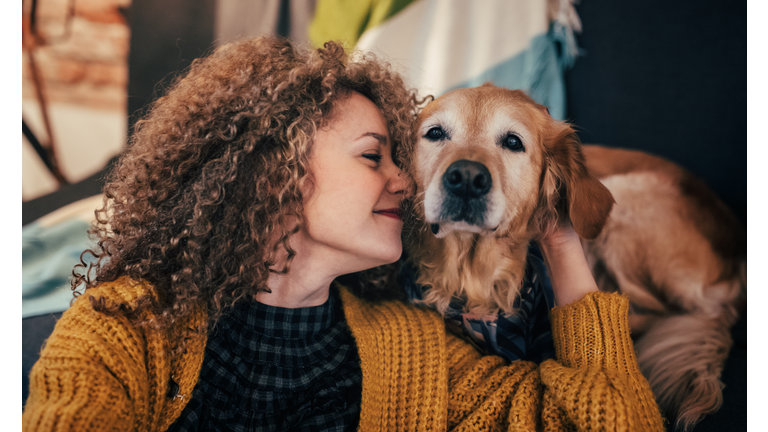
{"x": 494, "y": 172}
{"x": 679, "y": 254}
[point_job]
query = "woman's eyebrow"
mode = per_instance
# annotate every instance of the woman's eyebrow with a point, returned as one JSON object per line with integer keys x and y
{"x": 382, "y": 139}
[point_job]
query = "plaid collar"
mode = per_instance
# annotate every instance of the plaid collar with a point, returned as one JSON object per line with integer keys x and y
{"x": 264, "y": 367}
{"x": 284, "y": 323}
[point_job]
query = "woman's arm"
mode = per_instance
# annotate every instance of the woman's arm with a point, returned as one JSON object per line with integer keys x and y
{"x": 76, "y": 384}
{"x": 568, "y": 270}
{"x": 595, "y": 384}
{"x": 92, "y": 374}
{"x": 596, "y": 379}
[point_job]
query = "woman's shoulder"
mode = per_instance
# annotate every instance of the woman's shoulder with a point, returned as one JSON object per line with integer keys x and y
{"x": 123, "y": 290}
{"x": 103, "y": 319}
{"x": 88, "y": 336}
{"x": 87, "y": 309}
{"x": 127, "y": 300}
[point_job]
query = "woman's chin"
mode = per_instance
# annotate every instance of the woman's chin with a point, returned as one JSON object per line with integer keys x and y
{"x": 394, "y": 257}
{"x": 387, "y": 257}
{"x": 395, "y": 251}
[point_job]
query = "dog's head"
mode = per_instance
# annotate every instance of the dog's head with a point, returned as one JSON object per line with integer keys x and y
{"x": 492, "y": 161}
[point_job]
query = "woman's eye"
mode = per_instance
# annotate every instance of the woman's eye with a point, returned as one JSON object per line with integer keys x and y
{"x": 513, "y": 142}
{"x": 435, "y": 134}
{"x": 373, "y": 156}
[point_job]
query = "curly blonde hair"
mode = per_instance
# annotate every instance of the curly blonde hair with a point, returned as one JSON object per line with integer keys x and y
{"x": 199, "y": 202}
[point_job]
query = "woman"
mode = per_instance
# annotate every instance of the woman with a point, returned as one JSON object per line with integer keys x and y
{"x": 262, "y": 176}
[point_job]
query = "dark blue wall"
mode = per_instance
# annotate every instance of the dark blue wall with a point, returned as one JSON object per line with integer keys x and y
{"x": 668, "y": 77}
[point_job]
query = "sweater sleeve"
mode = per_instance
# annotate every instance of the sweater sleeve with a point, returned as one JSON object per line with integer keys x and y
{"x": 595, "y": 383}
{"x": 596, "y": 379}
{"x": 409, "y": 361}
{"x": 91, "y": 375}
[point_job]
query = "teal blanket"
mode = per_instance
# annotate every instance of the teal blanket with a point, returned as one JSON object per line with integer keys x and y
{"x": 48, "y": 255}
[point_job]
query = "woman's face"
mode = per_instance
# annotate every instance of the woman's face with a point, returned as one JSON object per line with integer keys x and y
{"x": 353, "y": 206}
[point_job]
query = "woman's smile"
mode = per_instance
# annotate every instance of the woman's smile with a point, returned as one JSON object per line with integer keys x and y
{"x": 395, "y": 213}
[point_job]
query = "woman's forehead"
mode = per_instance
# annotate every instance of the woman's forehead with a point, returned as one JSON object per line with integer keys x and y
{"x": 358, "y": 114}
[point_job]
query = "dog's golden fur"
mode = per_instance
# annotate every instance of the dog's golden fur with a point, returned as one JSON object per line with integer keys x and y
{"x": 670, "y": 245}
{"x": 679, "y": 254}
{"x": 531, "y": 192}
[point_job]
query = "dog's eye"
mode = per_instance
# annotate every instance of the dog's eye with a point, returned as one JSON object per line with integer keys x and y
{"x": 513, "y": 142}
{"x": 435, "y": 134}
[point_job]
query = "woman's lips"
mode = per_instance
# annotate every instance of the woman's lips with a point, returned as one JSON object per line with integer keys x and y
{"x": 394, "y": 213}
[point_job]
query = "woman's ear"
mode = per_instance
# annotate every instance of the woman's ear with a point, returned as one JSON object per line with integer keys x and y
{"x": 568, "y": 189}
{"x": 307, "y": 187}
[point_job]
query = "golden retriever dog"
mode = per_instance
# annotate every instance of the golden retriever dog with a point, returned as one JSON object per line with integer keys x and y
{"x": 494, "y": 172}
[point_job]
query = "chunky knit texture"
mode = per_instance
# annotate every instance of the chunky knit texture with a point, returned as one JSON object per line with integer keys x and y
{"x": 99, "y": 373}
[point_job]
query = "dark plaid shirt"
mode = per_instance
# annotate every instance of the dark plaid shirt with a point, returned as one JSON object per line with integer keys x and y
{"x": 275, "y": 369}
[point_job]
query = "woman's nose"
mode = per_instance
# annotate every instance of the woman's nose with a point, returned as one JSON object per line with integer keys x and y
{"x": 400, "y": 182}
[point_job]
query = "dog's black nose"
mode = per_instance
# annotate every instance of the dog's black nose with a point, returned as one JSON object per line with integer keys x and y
{"x": 467, "y": 179}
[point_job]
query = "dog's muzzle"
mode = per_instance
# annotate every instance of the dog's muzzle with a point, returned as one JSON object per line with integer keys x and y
{"x": 466, "y": 184}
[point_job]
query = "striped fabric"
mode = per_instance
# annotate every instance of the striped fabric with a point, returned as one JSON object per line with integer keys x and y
{"x": 440, "y": 45}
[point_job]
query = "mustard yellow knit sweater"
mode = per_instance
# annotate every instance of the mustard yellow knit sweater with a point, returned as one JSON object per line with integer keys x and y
{"x": 99, "y": 373}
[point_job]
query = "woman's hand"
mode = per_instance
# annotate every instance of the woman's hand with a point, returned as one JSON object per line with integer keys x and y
{"x": 568, "y": 270}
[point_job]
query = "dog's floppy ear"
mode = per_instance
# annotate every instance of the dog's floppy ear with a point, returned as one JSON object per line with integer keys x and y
{"x": 568, "y": 189}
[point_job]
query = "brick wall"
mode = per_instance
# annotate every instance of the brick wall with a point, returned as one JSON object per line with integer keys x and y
{"x": 84, "y": 72}
{"x": 89, "y": 65}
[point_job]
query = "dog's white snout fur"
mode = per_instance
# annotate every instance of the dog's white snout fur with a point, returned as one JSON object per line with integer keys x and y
{"x": 434, "y": 206}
